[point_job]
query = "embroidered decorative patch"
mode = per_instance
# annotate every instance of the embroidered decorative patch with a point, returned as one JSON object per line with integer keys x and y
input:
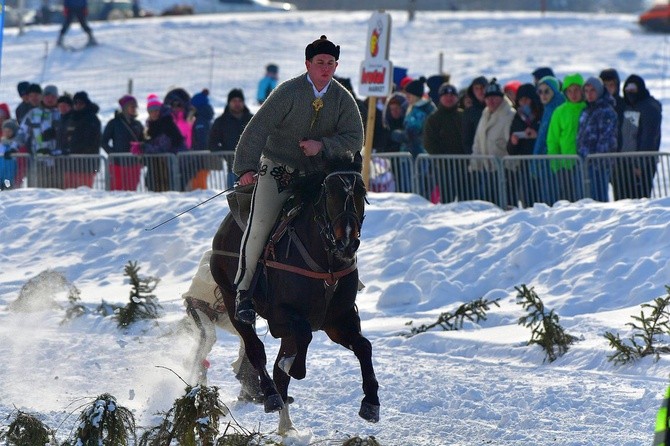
{"x": 283, "y": 177}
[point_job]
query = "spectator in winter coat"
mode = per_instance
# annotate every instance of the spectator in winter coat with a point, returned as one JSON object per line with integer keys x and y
{"x": 228, "y": 127}
{"x": 25, "y": 105}
{"x": 612, "y": 82}
{"x": 491, "y": 138}
{"x": 393, "y": 118}
{"x": 419, "y": 109}
{"x": 204, "y": 113}
{"x": 75, "y": 9}
{"x": 267, "y": 83}
{"x": 597, "y": 133}
{"x": 562, "y": 138}
{"x": 641, "y": 132}
{"x": 64, "y": 127}
{"x": 443, "y": 135}
{"x": 473, "y": 113}
{"x": 84, "y": 140}
{"x": 121, "y": 133}
{"x": 37, "y": 132}
{"x": 8, "y": 147}
{"x": 548, "y": 89}
{"x": 161, "y": 136}
{"x": 523, "y": 135}
{"x": 434, "y": 83}
{"x": 202, "y": 123}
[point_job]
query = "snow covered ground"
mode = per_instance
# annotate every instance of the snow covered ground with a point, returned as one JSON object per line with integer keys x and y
{"x": 593, "y": 263}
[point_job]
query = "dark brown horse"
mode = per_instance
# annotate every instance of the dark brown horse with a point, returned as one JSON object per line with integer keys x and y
{"x": 307, "y": 281}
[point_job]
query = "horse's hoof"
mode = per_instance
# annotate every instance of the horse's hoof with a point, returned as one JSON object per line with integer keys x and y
{"x": 369, "y": 412}
{"x": 273, "y": 403}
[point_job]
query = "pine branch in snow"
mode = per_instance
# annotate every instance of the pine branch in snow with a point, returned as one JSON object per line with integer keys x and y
{"x": 474, "y": 311}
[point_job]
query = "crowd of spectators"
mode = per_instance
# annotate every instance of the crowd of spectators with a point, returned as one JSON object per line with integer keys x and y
{"x": 574, "y": 115}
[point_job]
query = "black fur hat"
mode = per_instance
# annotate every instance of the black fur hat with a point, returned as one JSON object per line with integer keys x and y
{"x": 322, "y": 46}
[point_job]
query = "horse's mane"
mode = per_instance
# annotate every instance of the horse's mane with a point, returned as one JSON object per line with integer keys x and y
{"x": 307, "y": 187}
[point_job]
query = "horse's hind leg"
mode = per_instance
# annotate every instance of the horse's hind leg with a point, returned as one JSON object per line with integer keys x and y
{"x": 348, "y": 334}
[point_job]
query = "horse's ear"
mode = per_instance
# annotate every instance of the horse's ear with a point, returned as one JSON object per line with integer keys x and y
{"x": 358, "y": 161}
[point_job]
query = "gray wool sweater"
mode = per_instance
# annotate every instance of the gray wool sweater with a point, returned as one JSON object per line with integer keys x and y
{"x": 284, "y": 120}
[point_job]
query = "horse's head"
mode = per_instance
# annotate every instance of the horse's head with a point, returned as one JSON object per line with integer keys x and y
{"x": 343, "y": 205}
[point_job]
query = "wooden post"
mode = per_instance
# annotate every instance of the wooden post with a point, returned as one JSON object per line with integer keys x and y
{"x": 369, "y": 135}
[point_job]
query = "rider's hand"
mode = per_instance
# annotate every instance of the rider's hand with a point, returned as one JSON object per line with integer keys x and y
{"x": 248, "y": 178}
{"x": 310, "y": 147}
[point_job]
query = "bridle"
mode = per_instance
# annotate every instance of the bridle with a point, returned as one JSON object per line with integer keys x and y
{"x": 324, "y": 221}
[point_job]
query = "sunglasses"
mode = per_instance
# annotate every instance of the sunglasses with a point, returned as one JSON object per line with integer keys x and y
{"x": 543, "y": 91}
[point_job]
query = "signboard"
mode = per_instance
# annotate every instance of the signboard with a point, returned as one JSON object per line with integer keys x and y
{"x": 376, "y": 70}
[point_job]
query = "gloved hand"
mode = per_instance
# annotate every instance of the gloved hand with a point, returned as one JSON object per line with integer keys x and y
{"x": 44, "y": 152}
{"x": 48, "y": 134}
{"x": 398, "y": 136}
{"x": 8, "y": 154}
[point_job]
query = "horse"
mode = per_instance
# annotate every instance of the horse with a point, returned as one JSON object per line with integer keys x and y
{"x": 307, "y": 280}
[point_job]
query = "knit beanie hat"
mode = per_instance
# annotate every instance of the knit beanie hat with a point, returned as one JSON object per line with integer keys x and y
{"x": 416, "y": 87}
{"x": 11, "y": 124}
{"x": 236, "y": 93}
{"x": 127, "y": 100}
{"x": 512, "y": 86}
{"x": 610, "y": 74}
{"x": 573, "y": 79}
{"x": 493, "y": 89}
{"x": 4, "y": 110}
{"x": 153, "y": 103}
{"x": 51, "y": 90}
{"x": 597, "y": 84}
{"x": 272, "y": 68}
{"x": 322, "y": 46}
{"x": 200, "y": 99}
{"x": 447, "y": 88}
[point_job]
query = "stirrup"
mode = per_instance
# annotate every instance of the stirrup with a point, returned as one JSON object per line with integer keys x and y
{"x": 244, "y": 308}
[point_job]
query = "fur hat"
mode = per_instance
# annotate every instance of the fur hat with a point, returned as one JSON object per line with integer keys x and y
{"x": 127, "y": 100}
{"x": 22, "y": 88}
{"x": 416, "y": 87}
{"x": 236, "y": 93}
{"x": 153, "y": 103}
{"x": 493, "y": 89}
{"x": 322, "y": 46}
{"x": 11, "y": 124}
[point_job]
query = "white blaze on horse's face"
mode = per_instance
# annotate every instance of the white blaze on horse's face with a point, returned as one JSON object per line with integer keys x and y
{"x": 345, "y": 205}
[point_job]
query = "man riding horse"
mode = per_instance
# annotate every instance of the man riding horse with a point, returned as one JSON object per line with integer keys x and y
{"x": 303, "y": 120}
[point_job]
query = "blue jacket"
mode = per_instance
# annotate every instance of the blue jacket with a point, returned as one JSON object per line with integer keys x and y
{"x": 74, "y": 4}
{"x": 541, "y": 141}
{"x": 598, "y": 127}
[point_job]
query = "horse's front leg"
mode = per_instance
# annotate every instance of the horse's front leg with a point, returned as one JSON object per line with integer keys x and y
{"x": 256, "y": 353}
{"x": 348, "y": 334}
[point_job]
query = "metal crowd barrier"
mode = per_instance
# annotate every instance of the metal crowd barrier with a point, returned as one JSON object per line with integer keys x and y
{"x": 512, "y": 181}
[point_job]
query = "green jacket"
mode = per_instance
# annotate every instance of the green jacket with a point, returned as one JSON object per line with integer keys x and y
{"x": 287, "y": 116}
{"x": 562, "y": 134}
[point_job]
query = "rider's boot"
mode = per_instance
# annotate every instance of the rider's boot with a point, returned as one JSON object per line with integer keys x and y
{"x": 244, "y": 308}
